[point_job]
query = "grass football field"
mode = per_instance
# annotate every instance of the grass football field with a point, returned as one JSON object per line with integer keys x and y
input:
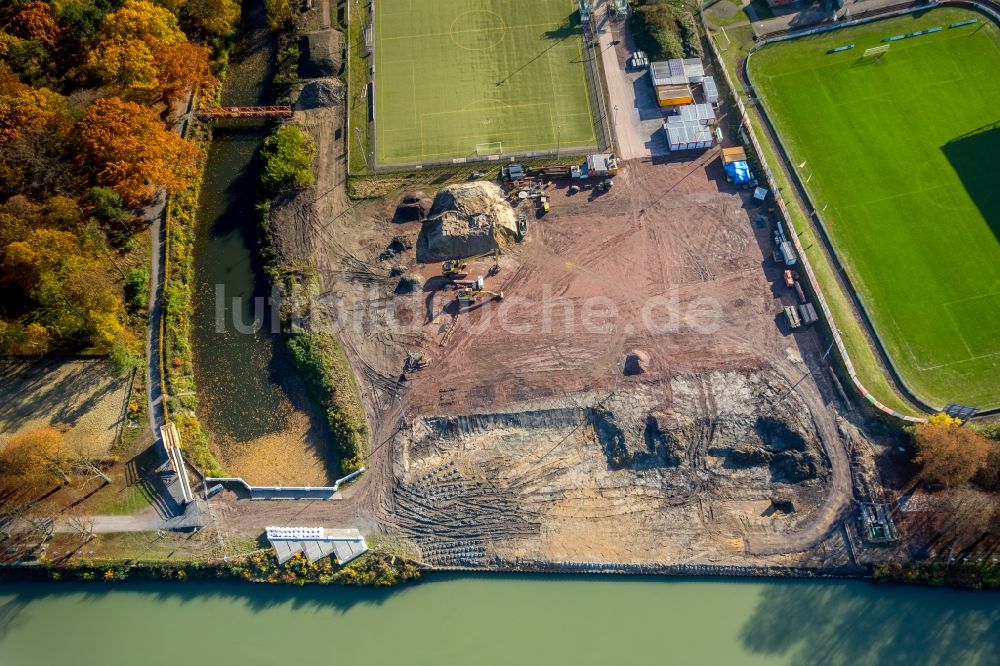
{"x": 453, "y": 74}
{"x": 902, "y": 159}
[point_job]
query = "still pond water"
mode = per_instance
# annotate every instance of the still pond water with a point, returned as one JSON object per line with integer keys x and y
{"x": 500, "y": 620}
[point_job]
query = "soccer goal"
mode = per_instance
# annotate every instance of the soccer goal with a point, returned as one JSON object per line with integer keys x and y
{"x": 492, "y": 148}
{"x": 876, "y": 51}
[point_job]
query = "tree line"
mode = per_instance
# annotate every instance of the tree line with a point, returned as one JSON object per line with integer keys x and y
{"x": 87, "y": 91}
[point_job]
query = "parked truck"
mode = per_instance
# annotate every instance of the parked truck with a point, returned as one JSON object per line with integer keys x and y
{"x": 792, "y": 316}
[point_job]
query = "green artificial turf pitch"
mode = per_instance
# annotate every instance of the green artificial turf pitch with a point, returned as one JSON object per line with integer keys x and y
{"x": 451, "y": 74}
{"x": 902, "y": 159}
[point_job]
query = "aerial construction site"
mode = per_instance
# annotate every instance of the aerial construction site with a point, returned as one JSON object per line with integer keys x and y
{"x": 575, "y": 371}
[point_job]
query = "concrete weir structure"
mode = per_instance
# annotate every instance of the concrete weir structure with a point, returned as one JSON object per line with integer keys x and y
{"x": 316, "y": 543}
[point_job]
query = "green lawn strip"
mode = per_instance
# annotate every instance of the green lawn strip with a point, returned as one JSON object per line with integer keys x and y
{"x": 453, "y": 74}
{"x": 357, "y": 84}
{"x": 866, "y": 365}
{"x": 913, "y": 241}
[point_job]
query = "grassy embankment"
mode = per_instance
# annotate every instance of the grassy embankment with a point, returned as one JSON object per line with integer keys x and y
{"x": 863, "y": 356}
{"x": 386, "y": 563}
{"x": 356, "y": 75}
{"x": 318, "y": 357}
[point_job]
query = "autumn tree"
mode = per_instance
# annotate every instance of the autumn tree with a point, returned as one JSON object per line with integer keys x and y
{"x": 132, "y": 152}
{"x": 216, "y": 17}
{"x": 950, "y": 454}
{"x": 138, "y": 19}
{"x": 181, "y": 68}
{"x": 37, "y": 454}
{"x": 35, "y": 21}
{"x": 22, "y": 111}
{"x": 127, "y": 65}
{"x": 26, "y": 260}
{"x": 33, "y": 145}
{"x": 279, "y": 13}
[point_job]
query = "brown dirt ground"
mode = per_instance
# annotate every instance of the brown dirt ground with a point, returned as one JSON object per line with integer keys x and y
{"x": 674, "y": 231}
{"x": 78, "y": 396}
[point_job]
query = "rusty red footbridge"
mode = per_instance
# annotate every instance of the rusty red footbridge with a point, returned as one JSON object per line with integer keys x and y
{"x": 278, "y": 111}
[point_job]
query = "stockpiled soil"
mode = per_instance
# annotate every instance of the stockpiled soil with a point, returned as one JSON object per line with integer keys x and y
{"x": 899, "y": 155}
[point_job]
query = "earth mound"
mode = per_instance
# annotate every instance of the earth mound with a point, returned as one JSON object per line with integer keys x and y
{"x": 414, "y": 206}
{"x": 636, "y": 362}
{"x": 466, "y": 220}
{"x": 321, "y": 53}
{"x": 319, "y": 94}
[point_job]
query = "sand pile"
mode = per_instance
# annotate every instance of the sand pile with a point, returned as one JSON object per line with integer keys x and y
{"x": 466, "y": 220}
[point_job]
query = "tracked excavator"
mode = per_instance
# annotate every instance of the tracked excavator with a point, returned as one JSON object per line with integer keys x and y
{"x": 455, "y": 268}
{"x": 475, "y": 293}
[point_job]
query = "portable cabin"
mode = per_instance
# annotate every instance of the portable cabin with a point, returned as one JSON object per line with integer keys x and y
{"x": 678, "y": 95}
{"x": 710, "y": 89}
{"x": 686, "y": 135}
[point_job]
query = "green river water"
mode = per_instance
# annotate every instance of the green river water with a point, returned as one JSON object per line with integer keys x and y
{"x": 500, "y": 620}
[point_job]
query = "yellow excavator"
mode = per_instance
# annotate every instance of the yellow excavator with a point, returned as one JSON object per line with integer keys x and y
{"x": 455, "y": 268}
{"x": 475, "y": 293}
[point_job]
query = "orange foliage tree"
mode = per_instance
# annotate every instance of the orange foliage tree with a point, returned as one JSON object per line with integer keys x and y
{"x": 132, "y": 152}
{"x": 180, "y": 68}
{"x": 35, "y": 21}
{"x": 143, "y": 53}
{"x": 23, "y": 110}
{"x": 36, "y": 454}
{"x": 949, "y": 453}
{"x": 125, "y": 64}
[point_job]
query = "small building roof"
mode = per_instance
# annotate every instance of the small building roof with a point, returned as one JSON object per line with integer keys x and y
{"x": 710, "y": 88}
{"x": 700, "y": 113}
{"x": 316, "y": 543}
{"x": 693, "y": 68}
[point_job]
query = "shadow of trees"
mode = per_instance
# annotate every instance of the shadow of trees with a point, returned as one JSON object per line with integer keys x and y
{"x": 858, "y": 624}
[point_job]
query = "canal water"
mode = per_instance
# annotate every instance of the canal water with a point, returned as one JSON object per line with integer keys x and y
{"x": 507, "y": 620}
{"x": 250, "y": 398}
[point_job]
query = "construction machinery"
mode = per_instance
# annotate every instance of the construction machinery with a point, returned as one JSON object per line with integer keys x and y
{"x": 544, "y": 201}
{"x": 414, "y": 361}
{"x": 522, "y": 231}
{"x": 476, "y": 293}
{"x": 456, "y": 268}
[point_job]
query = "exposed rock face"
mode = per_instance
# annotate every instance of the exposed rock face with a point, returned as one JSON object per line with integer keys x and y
{"x": 466, "y": 220}
{"x": 414, "y": 207}
{"x": 321, "y": 53}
